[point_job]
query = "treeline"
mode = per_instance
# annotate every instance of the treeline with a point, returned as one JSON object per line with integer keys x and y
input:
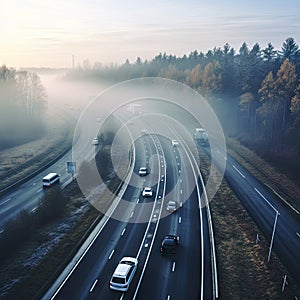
{"x": 22, "y": 106}
{"x": 255, "y": 92}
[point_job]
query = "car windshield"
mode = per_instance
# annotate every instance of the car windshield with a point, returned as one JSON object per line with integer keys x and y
{"x": 169, "y": 242}
{"x": 118, "y": 280}
{"x": 130, "y": 263}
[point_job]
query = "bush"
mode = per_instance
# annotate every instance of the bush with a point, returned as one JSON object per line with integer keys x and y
{"x": 51, "y": 207}
{"x": 23, "y": 227}
{"x": 15, "y": 232}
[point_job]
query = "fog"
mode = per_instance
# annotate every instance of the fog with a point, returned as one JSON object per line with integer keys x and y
{"x": 68, "y": 95}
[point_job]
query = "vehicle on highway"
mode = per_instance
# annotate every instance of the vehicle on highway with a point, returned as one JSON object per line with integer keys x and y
{"x": 95, "y": 141}
{"x": 169, "y": 244}
{"x": 174, "y": 143}
{"x": 172, "y": 205}
{"x": 201, "y": 136}
{"x": 147, "y": 192}
{"x": 123, "y": 274}
{"x": 50, "y": 179}
{"x": 143, "y": 171}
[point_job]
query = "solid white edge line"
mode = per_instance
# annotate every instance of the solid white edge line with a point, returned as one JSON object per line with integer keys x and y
{"x": 93, "y": 286}
{"x": 214, "y": 264}
{"x": 257, "y": 191}
{"x": 238, "y": 171}
{"x": 186, "y": 149}
{"x": 110, "y": 211}
{"x": 286, "y": 202}
{"x": 5, "y": 201}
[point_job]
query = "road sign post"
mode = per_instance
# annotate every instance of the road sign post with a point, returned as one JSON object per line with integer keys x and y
{"x": 71, "y": 168}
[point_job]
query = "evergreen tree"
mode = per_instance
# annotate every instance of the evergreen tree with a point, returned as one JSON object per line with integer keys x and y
{"x": 290, "y": 50}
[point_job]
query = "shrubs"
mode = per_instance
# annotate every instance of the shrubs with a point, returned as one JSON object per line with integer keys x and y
{"x": 24, "y": 226}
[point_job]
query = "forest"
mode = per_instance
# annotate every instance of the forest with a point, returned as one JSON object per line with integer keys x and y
{"x": 22, "y": 107}
{"x": 254, "y": 91}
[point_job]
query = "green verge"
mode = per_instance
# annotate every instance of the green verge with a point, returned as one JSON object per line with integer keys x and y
{"x": 243, "y": 270}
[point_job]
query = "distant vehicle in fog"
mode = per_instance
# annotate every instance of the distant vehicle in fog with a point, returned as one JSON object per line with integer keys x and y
{"x": 174, "y": 143}
{"x": 201, "y": 136}
{"x": 143, "y": 171}
{"x": 172, "y": 205}
{"x": 95, "y": 141}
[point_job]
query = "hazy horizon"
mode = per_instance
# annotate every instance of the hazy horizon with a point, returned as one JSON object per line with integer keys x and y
{"x": 50, "y": 33}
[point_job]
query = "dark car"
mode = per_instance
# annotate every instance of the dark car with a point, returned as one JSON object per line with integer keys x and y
{"x": 169, "y": 244}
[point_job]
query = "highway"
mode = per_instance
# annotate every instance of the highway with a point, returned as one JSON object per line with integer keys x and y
{"x": 186, "y": 275}
{"x": 27, "y": 195}
{"x": 267, "y": 210}
{"x": 173, "y": 175}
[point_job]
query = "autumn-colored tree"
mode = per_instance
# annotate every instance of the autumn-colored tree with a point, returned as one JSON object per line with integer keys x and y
{"x": 193, "y": 79}
{"x": 275, "y": 95}
{"x": 211, "y": 79}
{"x": 285, "y": 85}
{"x": 294, "y": 131}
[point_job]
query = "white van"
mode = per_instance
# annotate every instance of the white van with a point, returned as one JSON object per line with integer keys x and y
{"x": 50, "y": 179}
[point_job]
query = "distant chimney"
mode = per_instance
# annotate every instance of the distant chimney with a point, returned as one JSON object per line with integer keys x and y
{"x": 73, "y": 63}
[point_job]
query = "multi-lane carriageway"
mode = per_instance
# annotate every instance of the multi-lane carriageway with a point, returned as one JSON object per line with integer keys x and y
{"x": 187, "y": 275}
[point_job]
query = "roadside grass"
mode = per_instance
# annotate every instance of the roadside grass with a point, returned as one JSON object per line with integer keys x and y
{"x": 265, "y": 173}
{"x": 243, "y": 270}
{"x": 31, "y": 281}
{"x": 23, "y": 160}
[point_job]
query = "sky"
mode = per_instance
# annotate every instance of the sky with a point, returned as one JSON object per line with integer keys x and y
{"x": 49, "y": 33}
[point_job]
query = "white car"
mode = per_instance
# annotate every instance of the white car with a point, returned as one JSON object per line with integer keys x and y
{"x": 172, "y": 206}
{"x": 95, "y": 141}
{"x": 147, "y": 192}
{"x": 143, "y": 171}
{"x": 123, "y": 274}
{"x": 174, "y": 143}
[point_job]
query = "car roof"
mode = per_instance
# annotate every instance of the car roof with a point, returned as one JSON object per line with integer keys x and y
{"x": 123, "y": 266}
{"x": 122, "y": 269}
{"x": 50, "y": 175}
